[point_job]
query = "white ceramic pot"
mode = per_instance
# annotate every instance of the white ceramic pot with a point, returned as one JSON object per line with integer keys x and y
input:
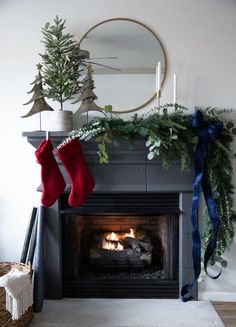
{"x": 58, "y": 120}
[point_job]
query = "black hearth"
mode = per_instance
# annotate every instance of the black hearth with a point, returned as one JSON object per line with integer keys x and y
{"x": 127, "y": 250}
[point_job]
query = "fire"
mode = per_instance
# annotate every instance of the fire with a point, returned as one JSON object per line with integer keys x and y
{"x": 112, "y": 241}
{"x": 112, "y": 246}
{"x": 130, "y": 234}
{"x": 112, "y": 237}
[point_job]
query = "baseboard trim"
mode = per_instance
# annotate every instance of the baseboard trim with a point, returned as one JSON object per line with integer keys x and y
{"x": 217, "y": 296}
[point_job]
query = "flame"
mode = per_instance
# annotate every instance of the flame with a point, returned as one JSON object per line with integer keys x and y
{"x": 130, "y": 234}
{"x": 112, "y": 237}
{"x": 112, "y": 246}
{"x": 112, "y": 240}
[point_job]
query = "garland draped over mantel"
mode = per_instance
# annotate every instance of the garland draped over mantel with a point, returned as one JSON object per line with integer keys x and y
{"x": 169, "y": 135}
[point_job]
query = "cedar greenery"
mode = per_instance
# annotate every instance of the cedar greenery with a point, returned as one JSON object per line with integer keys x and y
{"x": 169, "y": 135}
{"x": 61, "y": 62}
{"x": 220, "y": 172}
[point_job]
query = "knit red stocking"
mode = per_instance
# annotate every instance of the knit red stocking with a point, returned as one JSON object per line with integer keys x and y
{"x": 81, "y": 180}
{"x": 52, "y": 180}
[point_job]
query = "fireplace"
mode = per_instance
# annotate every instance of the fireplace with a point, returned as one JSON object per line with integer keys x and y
{"x": 131, "y": 192}
{"x": 132, "y": 253}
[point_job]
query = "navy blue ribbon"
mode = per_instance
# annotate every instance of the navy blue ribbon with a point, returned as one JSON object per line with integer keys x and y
{"x": 206, "y": 131}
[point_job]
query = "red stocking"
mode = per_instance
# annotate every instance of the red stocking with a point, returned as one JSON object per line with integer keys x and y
{"x": 82, "y": 183}
{"x": 52, "y": 180}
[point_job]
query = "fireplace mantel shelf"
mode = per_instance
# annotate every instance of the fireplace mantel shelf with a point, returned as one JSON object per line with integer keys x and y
{"x": 128, "y": 169}
{"x": 35, "y": 137}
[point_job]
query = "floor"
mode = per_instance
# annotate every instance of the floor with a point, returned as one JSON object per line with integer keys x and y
{"x": 227, "y": 312}
{"x": 126, "y": 313}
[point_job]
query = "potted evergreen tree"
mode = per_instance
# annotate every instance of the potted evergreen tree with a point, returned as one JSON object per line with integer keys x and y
{"x": 61, "y": 61}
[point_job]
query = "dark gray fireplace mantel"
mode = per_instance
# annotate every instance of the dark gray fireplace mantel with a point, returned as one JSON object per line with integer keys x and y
{"x": 128, "y": 170}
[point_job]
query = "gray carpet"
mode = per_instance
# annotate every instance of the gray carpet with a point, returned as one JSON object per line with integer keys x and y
{"x": 126, "y": 313}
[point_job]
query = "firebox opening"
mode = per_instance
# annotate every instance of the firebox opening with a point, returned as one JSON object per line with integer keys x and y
{"x": 122, "y": 246}
{"x": 116, "y": 248}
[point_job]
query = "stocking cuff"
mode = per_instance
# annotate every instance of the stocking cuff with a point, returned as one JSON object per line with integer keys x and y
{"x": 44, "y": 151}
{"x": 68, "y": 150}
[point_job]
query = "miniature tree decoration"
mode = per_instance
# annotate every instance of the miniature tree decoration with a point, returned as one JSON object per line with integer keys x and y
{"x": 38, "y": 99}
{"x": 86, "y": 95}
{"x": 61, "y": 62}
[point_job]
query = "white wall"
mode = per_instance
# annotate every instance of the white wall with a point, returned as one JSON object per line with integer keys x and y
{"x": 199, "y": 38}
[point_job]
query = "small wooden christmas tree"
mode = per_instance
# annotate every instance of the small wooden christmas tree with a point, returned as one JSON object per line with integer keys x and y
{"x": 37, "y": 98}
{"x": 86, "y": 94}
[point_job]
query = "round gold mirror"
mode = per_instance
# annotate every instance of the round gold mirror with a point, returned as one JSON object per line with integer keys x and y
{"x": 124, "y": 54}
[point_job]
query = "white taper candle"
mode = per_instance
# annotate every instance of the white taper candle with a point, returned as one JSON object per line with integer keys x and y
{"x": 158, "y": 77}
{"x": 175, "y": 90}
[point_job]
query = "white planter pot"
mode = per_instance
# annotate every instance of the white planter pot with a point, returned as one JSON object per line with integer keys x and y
{"x": 57, "y": 120}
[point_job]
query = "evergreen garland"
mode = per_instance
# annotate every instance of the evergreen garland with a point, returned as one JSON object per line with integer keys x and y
{"x": 220, "y": 172}
{"x": 169, "y": 135}
{"x": 165, "y": 133}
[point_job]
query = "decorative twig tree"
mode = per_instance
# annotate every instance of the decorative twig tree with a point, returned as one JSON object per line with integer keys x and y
{"x": 86, "y": 95}
{"x": 37, "y": 98}
{"x": 61, "y": 62}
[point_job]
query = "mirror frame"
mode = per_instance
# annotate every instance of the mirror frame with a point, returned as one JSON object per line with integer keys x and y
{"x": 157, "y": 39}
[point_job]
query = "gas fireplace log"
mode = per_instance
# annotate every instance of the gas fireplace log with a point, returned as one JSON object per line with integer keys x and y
{"x": 145, "y": 246}
{"x": 144, "y": 237}
{"x": 146, "y": 258}
{"x": 124, "y": 258}
{"x": 133, "y": 243}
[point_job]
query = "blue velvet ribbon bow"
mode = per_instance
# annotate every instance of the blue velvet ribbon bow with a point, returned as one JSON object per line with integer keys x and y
{"x": 206, "y": 131}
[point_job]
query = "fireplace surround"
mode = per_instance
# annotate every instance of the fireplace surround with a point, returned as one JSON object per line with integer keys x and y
{"x": 128, "y": 189}
{"x": 145, "y": 266}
